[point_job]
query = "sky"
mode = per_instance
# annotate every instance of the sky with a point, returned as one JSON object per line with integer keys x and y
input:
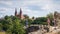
{"x": 36, "y": 8}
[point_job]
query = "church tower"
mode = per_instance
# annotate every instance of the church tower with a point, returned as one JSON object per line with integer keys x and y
{"x": 20, "y": 14}
{"x": 15, "y": 12}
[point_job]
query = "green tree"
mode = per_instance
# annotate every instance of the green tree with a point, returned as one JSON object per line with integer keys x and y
{"x": 15, "y": 26}
{"x": 23, "y": 22}
{"x": 26, "y": 16}
{"x": 33, "y": 17}
{"x": 29, "y": 21}
{"x": 0, "y": 26}
{"x": 40, "y": 20}
{"x": 50, "y": 15}
{"x": 12, "y": 25}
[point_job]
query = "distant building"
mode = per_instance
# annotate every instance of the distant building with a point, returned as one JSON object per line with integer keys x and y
{"x": 19, "y": 15}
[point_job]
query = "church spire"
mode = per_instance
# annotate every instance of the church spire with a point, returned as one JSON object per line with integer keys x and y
{"x": 20, "y": 13}
{"x": 15, "y": 12}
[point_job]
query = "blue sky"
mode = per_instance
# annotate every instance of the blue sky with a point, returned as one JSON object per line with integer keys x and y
{"x": 36, "y": 8}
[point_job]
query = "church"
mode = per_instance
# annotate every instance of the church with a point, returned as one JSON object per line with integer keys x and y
{"x": 19, "y": 15}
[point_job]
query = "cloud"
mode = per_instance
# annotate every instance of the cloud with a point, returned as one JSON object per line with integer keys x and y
{"x": 6, "y": 11}
{"x": 32, "y": 7}
{"x": 3, "y": 9}
{"x": 6, "y": 2}
{"x": 32, "y": 13}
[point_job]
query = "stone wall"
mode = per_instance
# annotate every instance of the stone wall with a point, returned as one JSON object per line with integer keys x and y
{"x": 57, "y": 17}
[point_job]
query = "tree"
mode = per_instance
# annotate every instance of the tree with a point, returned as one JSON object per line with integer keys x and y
{"x": 29, "y": 21}
{"x": 17, "y": 27}
{"x": 12, "y": 25}
{"x": 0, "y": 26}
{"x": 40, "y": 20}
{"x": 26, "y": 16}
{"x": 50, "y": 15}
{"x": 33, "y": 17}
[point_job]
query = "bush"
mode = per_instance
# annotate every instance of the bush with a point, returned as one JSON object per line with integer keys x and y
{"x": 12, "y": 25}
{"x": 40, "y": 20}
{"x": 44, "y": 23}
{"x": 0, "y": 26}
{"x": 15, "y": 26}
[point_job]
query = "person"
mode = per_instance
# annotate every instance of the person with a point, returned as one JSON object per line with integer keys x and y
{"x": 48, "y": 21}
{"x": 54, "y": 22}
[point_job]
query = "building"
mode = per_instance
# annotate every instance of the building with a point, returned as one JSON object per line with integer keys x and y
{"x": 19, "y": 15}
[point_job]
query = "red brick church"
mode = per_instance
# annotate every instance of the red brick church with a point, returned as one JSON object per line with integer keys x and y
{"x": 19, "y": 15}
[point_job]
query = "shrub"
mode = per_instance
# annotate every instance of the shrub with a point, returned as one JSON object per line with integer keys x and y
{"x": 0, "y": 26}
{"x": 12, "y": 25}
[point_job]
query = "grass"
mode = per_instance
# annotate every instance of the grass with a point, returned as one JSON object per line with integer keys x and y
{"x": 2, "y": 32}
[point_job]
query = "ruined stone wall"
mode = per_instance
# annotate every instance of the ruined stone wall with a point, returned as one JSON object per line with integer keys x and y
{"x": 57, "y": 17}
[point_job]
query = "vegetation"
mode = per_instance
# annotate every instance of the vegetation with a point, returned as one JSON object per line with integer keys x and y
{"x": 50, "y": 15}
{"x": 12, "y": 25}
{"x": 26, "y": 16}
{"x": 43, "y": 20}
{"x": 40, "y": 20}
